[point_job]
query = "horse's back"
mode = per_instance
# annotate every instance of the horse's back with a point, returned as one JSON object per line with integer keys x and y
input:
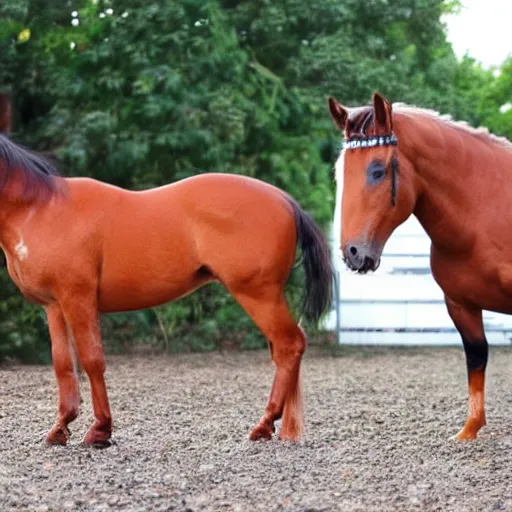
{"x": 240, "y": 224}
{"x": 162, "y": 243}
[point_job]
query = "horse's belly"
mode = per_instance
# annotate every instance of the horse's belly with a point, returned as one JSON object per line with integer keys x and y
{"x": 132, "y": 293}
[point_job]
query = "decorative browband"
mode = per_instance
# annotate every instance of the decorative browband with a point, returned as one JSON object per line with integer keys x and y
{"x": 383, "y": 140}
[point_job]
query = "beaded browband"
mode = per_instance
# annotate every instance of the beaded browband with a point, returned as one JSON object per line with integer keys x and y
{"x": 382, "y": 140}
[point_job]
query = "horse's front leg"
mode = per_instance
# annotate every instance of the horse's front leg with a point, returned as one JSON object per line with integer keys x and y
{"x": 469, "y": 323}
{"x": 65, "y": 371}
{"x": 82, "y": 319}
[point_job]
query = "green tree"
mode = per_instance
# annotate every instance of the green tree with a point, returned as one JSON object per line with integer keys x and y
{"x": 143, "y": 93}
{"x": 494, "y": 107}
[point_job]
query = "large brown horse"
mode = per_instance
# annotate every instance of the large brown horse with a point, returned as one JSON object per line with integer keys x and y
{"x": 80, "y": 247}
{"x": 458, "y": 182}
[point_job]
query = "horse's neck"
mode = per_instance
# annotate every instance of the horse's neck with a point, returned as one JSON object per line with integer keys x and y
{"x": 14, "y": 215}
{"x": 445, "y": 162}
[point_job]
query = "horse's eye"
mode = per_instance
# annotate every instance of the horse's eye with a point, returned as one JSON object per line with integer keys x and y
{"x": 376, "y": 172}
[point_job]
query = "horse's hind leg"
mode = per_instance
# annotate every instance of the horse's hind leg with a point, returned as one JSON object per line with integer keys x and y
{"x": 82, "y": 319}
{"x": 271, "y": 314}
{"x": 65, "y": 371}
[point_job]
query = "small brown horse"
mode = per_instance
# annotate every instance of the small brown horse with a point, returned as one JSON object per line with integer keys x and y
{"x": 80, "y": 247}
{"x": 458, "y": 182}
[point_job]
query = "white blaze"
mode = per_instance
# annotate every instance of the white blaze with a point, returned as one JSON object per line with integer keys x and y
{"x": 339, "y": 167}
{"x": 21, "y": 250}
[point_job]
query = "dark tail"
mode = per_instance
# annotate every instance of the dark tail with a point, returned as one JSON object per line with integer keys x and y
{"x": 316, "y": 260}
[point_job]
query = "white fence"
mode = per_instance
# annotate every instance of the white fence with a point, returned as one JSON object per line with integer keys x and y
{"x": 400, "y": 304}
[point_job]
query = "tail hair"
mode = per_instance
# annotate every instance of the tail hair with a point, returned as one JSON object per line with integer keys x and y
{"x": 318, "y": 268}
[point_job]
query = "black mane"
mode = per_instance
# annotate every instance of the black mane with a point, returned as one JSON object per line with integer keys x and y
{"x": 36, "y": 174}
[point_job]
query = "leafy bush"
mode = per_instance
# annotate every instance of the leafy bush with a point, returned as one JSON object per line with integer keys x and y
{"x": 142, "y": 93}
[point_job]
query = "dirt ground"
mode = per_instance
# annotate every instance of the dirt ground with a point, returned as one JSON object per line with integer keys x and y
{"x": 377, "y": 437}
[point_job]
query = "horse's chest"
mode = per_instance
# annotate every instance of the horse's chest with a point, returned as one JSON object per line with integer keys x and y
{"x": 25, "y": 276}
{"x": 454, "y": 278}
{"x": 480, "y": 284}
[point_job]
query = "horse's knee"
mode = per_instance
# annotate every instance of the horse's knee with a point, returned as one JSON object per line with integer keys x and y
{"x": 289, "y": 348}
{"x": 299, "y": 343}
{"x": 62, "y": 364}
{"x": 93, "y": 362}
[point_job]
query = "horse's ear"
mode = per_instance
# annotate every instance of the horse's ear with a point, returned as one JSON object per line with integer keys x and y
{"x": 338, "y": 113}
{"x": 5, "y": 113}
{"x": 382, "y": 110}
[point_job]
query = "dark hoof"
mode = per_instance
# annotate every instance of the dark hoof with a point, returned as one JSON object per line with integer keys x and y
{"x": 261, "y": 432}
{"x": 99, "y": 444}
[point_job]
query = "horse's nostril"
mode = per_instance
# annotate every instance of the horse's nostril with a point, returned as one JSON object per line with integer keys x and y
{"x": 353, "y": 250}
{"x": 369, "y": 263}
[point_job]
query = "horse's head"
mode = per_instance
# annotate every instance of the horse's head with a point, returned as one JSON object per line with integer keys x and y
{"x": 378, "y": 189}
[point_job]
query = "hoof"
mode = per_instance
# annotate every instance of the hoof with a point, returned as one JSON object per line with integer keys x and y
{"x": 470, "y": 430}
{"x": 261, "y": 431}
{"x": 97, "y": 438}
{"x": 289, "y": 436}
{"x": 58, "y": 436}
{"x": 291, "y": 430}
{"x": 464, "y": 435}
{"x": 98, "y": 445}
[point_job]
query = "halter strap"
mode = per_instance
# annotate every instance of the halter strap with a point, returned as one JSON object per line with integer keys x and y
{"x": 394, "y": 173}
{"x": 380, "y": 140}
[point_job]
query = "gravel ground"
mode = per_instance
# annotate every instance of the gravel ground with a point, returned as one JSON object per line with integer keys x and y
{"x": 377, "y": 437}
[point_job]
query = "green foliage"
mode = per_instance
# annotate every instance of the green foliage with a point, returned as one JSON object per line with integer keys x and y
{"x": 23, "y": 330}
{"x": 143, "y": 93}
{"x": 494, "y": 107}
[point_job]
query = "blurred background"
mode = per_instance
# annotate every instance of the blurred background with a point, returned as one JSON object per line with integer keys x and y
{"x": 142, "y": 93}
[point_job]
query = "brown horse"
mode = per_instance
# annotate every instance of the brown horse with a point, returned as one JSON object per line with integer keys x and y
{"x": 458, "y": 182}
{"x": 80, "y": 247}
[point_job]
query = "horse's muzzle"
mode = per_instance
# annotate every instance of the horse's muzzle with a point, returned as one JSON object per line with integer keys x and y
{"x": 360, "y": 258}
